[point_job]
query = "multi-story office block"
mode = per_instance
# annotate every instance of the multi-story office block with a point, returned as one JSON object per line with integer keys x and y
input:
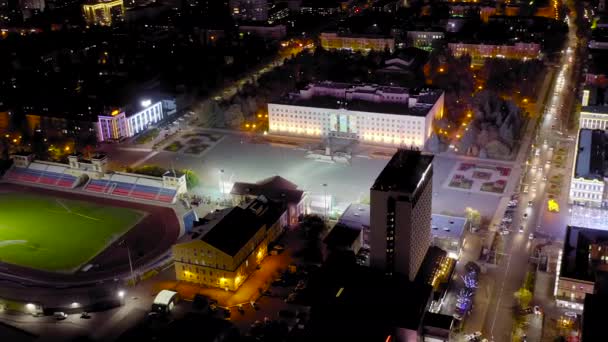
{"x": 400, "y": 214}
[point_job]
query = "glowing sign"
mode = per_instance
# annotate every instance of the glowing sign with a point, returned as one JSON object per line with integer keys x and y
{"x": 115, "y": 112}
{"x": 553, "y": 206}
{"x": 146, "y": 103}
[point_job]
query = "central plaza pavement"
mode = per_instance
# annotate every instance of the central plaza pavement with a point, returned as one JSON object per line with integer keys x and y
{"x": 250, "y": 162}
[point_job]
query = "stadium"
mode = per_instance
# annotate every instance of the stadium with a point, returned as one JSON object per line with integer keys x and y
{"x": 62, "y": 228}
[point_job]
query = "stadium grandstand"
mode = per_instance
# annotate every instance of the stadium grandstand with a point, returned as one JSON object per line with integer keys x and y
{"x": 134, "y": 186}
{"x": 96, "y": 179}
{"x": 44, "y": 173}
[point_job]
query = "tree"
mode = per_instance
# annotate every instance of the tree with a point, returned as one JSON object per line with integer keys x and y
{"x": 192, "y": 180}
{"x": 313, "y": 227}
{"x": 524, "y": 296}
{"x": 473, "y": 216}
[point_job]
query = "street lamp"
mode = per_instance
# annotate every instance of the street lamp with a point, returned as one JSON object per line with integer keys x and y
{"x": 325, "y": 200}
{"x": 124, "y": 243}
{"x": 222, "y": 183}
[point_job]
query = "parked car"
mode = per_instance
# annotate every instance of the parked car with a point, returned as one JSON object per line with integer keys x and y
{"x": 59, "y": 315}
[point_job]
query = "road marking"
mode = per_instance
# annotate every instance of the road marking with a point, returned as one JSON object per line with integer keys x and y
{"x": 502, "y": 287}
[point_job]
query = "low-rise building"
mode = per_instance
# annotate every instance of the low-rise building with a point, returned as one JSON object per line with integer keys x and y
{"x": 227, "y": 246}
{"x": 265, "y": 31}
{"x": 344, "y": 238}
{"x": 587, "y": 186}
{"x": 274, "y": 188}
{"x": 356, "y": 42}
{"x": 375, "y": 114}
{"x": 424, "y": 39}
{"x": 520, "y": 50}
{"x": 356, "y": 216}
{"x": 582, "y": 262}
{"x": 448, "y": 233}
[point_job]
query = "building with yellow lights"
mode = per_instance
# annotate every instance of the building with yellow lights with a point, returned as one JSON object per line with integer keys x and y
{"x": 104, "y": 13}
{"x": 228, "y": 246}
{"x": 356, "y": 42}
{"x": 371, "y": 113}
{"x": 521, "y": 50}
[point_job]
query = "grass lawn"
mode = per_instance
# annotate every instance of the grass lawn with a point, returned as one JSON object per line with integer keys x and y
{"x": 55, "y": 234}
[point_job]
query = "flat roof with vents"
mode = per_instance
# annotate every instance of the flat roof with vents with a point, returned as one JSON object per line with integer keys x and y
{"x": 447, "y": 227}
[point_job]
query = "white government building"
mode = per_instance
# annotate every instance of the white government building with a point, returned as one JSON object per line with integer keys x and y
{"x": 368, "y": 112}
{"x": 589, "y": 174}
{"x": 126, "y": 123}
{"x": 592, "y": 116}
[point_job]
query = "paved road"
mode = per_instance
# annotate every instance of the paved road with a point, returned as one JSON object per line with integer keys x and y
{"x": 517, "y": 246}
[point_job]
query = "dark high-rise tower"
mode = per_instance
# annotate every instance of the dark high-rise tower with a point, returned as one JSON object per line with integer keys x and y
{"x": 400, "y": 217}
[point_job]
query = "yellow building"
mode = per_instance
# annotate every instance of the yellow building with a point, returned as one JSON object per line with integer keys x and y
{"x": 354, "y": 42}
{"x": 101, "y": 12}
{"x": 226, "y": 249}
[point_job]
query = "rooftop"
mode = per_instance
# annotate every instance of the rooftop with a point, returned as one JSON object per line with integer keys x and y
{"x": 581, "y": 259}
{"x": 239, "y": 225}
{"x": 447, "y": 227}
{"x": 356, "y": 216}
{"x": 591, "y": 155}
{"x": 404, "y": 172}
{"x": 356, "y": 97}
{"x": 275, "y": 188}
{"x": 595, "y": 109}
{"x": 594, "y": 318}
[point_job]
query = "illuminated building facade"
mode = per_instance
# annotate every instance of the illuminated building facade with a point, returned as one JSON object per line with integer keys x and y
{"x": 423, "y": 39}
{"x": 103, "y": 13}
{"x": 584, "y": 257}
{"x": 588, "y": 178}
{"x": 119, "y": 124}
{"x": 356, "y": 42}
{"x": 522, "y": 51}
{"x": 400, "y": 216}
{"x": 371, "y": 113}
{"x": 594, "y": 117}
{"x": 225, "y": 250}
{"x": 249, "y": 10}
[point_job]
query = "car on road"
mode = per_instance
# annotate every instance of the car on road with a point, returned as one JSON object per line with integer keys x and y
{"x": 531, "y": 236}
{"x": 521, "y": 229}
{"x": 59, "y": 315}
{"x": 530, "y": 203}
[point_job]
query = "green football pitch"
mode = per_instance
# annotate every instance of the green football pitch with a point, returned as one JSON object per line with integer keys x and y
{"x": 55, "y": 234}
